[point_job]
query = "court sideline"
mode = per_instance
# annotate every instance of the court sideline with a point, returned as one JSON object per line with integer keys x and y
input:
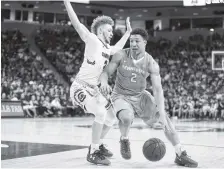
{"x": 63, "y": 142}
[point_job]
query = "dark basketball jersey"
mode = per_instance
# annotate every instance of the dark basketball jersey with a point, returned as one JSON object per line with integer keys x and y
{"x": 132, "y": 74}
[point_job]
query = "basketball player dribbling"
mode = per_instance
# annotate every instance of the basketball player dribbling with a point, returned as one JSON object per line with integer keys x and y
{"x": 84, "y": 90}
{"x": 129, "y": 96}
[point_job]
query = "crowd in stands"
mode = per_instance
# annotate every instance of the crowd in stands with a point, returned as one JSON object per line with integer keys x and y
{"x": 191, "y": 87}
{"x": 63, "y": 48}
{"x": 24, "y": 78}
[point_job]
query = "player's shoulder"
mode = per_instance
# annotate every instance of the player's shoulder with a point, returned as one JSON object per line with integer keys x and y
{"x": 148, "y": 57}
{"x": 123, "y": 52}
{"x": 126, "y": 50}
{"x": 154, "y": 66}
{"x": 93, "y": 35}
{"x": 118, "y": 56}
{"x": 151, "y": 60}
{"x": 92, "y": 38}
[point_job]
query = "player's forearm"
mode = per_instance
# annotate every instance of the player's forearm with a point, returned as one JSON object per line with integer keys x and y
{"x": 72, "y": 15}
{"x": 159, "y": 98}
{"x": 120, "y": 44}
{"x": 104, "y": 78}
{"x": 79, "y": 27}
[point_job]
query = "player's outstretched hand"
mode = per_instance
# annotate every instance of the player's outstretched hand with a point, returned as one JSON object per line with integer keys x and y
{"x": 105, "y": 89}
{"x": 128, "y": 24}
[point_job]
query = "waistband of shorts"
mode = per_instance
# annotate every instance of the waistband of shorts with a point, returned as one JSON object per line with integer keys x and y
{"x": 84, "y": 83}
{"x": 129, "y": 95}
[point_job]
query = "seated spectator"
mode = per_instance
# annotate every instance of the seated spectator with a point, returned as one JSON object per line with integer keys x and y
{"x": 56, "y": 106}
{"x": 32, "y": 106}
{"x": 14, "y": 97}
{"x": 47, "y": 105}
{"x": 25, "y": 105}
{"x": 4, "y": 97}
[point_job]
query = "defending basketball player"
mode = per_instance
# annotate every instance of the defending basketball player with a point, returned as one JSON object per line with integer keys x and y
{"x": 84, "y": 90}
{"x": 129, "y": 96}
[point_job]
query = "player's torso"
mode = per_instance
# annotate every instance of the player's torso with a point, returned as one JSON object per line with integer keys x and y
{"x": 131, "y": 75}
{"x": 96, "y": 57}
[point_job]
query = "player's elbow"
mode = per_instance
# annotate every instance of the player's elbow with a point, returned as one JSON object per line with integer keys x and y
{"x": 115, "y": 50}
{"x": 77, "y": 26}
{"x": 118, "y": 47}
{"x": 103, "y": 77}
{"x": 80, "y": 31}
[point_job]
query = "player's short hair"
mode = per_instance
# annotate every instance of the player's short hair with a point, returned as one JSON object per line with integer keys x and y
{"x": 101, "y": 20}
{"x": 141, "y": 32}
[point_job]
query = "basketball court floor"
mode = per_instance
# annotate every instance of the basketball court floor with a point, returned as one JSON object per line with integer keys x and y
{"x": 63, "y": 143}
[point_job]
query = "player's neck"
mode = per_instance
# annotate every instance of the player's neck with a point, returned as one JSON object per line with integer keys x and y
{"x": 137, "y": 54}
{"x": 102, "y": 40}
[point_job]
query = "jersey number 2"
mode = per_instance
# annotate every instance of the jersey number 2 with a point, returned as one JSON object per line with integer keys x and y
{"x": 133, "y": 78}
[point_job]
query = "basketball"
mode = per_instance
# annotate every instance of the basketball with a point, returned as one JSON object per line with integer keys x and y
{"x": 154, "y": 149}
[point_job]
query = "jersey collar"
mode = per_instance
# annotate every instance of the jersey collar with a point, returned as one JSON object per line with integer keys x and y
{"x": 137, "y": 60}
{"x": 104, "y": 43}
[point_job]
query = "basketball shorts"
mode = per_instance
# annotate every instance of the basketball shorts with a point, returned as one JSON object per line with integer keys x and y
{"x": 87, "y": 96}
{"x": 143, "y": 105}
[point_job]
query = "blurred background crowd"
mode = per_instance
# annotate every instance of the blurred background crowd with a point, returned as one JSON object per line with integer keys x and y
{"x": 192, "y": 89}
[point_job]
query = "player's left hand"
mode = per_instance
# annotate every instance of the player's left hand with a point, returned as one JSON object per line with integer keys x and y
{"x": 128, "y": 25}
{"x": 105, "y": 89}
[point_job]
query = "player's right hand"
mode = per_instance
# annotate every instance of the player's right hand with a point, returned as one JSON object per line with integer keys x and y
{"x": 105, "y": 89}
{"x": 128, "y": 24}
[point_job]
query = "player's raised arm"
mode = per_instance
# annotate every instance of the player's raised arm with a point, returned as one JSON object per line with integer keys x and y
{"x": 158, "y": 91}
{"x": 79, "y": 27}
{"x": 109, "y": 71}
{"x": 120, "y": 44}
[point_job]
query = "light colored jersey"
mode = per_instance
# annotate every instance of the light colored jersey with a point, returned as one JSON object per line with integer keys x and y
{"x": 96, "y": 57}
{"x": 132, "y": 74}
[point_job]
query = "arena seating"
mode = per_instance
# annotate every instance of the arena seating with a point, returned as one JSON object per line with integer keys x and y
{"x": 63, "y": 48}
{"x": 188, "y": 81}
{"x": 24, "y": 78}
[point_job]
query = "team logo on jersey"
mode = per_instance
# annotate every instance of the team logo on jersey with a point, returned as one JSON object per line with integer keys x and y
{"x": 81, "y": 96}
{"x": 135, "y": 69}
{"x": 105, "y": 55}
{"x": 91, "y": 63}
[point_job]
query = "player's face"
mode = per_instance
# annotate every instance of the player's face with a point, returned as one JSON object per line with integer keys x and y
{"x": 137, "y": 43}
{"x": 107, "y": 31}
